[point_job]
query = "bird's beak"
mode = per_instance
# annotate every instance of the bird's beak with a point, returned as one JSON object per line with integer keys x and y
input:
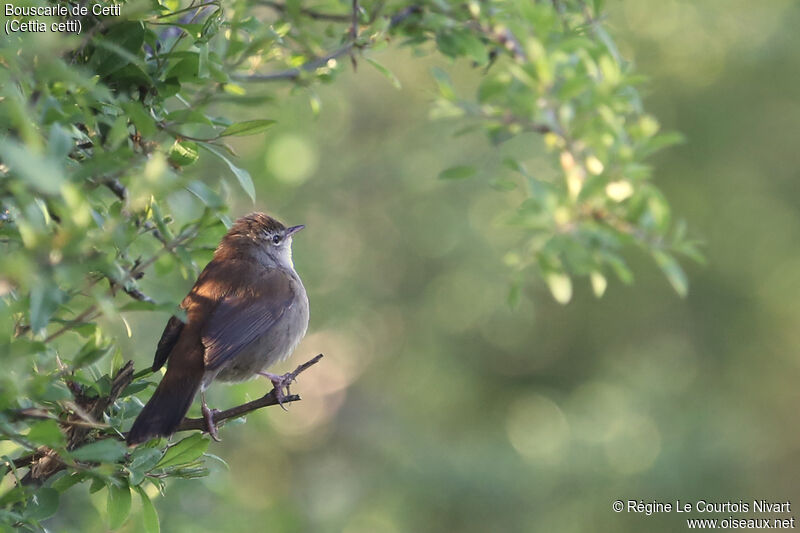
{"x": 294, "y": 229}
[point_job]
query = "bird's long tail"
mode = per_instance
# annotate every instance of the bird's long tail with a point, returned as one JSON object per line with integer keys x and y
{"x": 170, "y": 402}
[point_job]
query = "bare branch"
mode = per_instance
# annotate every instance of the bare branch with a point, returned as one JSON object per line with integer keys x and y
{"x": 234, "y": 412}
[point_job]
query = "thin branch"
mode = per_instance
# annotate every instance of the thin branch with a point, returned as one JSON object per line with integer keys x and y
{"x": 400, "y": 17}
{"x": 294, "y": 73}
{"x": 72, "y": 323}
{"x": 136, "y": 294}
{"x": 354, "y": 22}
{"x": 354, "y": 34}
{"x": 41, "y": 414}
{"x": 117, "y": 188}
{"x": 184, "y": 10}
{"x": 268, "y": 399}
{"x": 310, "y": 13}
{"x": 265, "y": 401}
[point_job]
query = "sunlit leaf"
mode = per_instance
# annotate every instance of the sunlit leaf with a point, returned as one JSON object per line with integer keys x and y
{"x": 118, "y": 505}
{"x": 560, "y": 286}
{"x": 386, "y": 72}
{"x": 183, "y": 152}
{"x": 149, "y": 514}
{"x": 185, "y": 451}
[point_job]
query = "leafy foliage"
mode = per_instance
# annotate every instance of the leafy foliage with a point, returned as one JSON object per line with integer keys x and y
{"x": 99, "y": 130}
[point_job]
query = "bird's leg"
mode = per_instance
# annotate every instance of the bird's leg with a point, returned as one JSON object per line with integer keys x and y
{"x": 280, "y": 383}
{"x": 208, "y": 415}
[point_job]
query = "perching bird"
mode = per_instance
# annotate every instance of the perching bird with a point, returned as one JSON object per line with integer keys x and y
{"x": 247, "y": 311}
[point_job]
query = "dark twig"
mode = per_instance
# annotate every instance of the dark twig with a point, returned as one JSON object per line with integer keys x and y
{"x": 72, "y": 323}
{"x": 234, "y": 412}
{"x": 401, "y": 16}
{"x": 354, "y": 22}
{"x": 41, "y": 414}
{"x": 354, "y": 34}
{"x": 117, "y": 188}
{"x": 136, "y": 294}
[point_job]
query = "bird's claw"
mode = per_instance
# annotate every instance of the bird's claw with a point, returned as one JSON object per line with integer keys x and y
{"x": 280, "y": 383}
{"x": 211, "y": 427}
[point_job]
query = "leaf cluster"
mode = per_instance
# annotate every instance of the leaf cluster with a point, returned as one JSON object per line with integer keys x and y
{"x": 98, "y": 131}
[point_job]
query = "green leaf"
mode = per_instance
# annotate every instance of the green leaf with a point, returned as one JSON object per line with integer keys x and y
{"x": 476, "y": 50}
{"x": 457, "y": 173}
{"x": 249, "y": 127}
{"x": 46, "y": 432}
{"x": 119, "y": 47}
{"x": 619, "y": 267}
{"x": 90, "y": 353}
{"x": 118, "y": 505}
{"x": 143, "y": 460}
{"x": 59, "y": 142}
{"x": 184, "y": 451}
{"x": 202, "y": 62}
{"x": 183, "y": 152}
{"x": 661, "y": 141}
{"x": 188, "y": 116}
{"x": 241, "y": 175}
{"x": 68, "y": 480}
{"x": 446, "y": 89}
{"x": 101, "y": 451}
{"x": 41, "y": 173}
{"x": 44, "y": 504}
{"x": 44, "y": 302}
{"x": 516, "y": 166}
{"x": 672, "y": 269}
{"x": 205, "y": 194}
{"x": 149, "y": 514}
{"x": 141, "y": 118}
{"x": 386, "y": 72}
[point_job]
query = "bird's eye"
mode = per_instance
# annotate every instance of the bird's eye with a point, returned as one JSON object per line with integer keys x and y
{"x": 276, "y": 239}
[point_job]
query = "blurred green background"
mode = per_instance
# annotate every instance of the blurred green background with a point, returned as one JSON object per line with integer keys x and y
{"x": 440, "y": 408}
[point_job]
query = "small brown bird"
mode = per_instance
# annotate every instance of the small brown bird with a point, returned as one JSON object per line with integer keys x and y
{"x": 247, "y": 311}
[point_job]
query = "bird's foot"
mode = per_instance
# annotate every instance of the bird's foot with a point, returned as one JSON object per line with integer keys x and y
{"x": 211, "y": 427}
{"x": 280, "y": 383}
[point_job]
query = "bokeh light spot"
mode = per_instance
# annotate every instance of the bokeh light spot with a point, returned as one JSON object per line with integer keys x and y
{"x": 537, "y": 429}
{"x": 292, "y": 159}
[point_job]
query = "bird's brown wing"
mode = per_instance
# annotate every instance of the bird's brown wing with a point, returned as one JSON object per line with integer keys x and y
{"x": 168, "y": 339}
{"x": 209, "y": 287}
{"x": 245, "y": 315}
